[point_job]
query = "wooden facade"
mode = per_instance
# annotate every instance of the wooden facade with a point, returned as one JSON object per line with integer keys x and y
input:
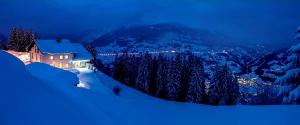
{"x": 61, "y": 60}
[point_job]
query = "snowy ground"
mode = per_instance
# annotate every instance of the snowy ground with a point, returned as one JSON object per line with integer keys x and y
{"x": 49, "y": 96}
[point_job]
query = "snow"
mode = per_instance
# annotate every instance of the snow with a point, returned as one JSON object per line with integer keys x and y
{"x": 64, "y": 46}
{"x": 54, "y": 47}
{"x": 81, "y": 52}
{"x": 298, "y": 33}
{"x": 295, "y": 48}
{"x": 27, "y": 100}
{"x": 46, "y": 95}
{"x": 295, "y": 94}
{"x": 290, "y": 74}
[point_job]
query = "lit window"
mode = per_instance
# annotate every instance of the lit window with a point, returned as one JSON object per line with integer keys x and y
{"x": 60, "y": 65}
{"x": 67, "y": 66}
{"x": 51, "y": 57}
{"x": 66, "y": 57}
{"x": 61, "y": 57}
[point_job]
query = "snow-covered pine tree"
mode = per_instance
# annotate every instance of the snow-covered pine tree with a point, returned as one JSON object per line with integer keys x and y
{"x": 118, "y": 68}
{"x": 126, "y": 68}
{"x": 153, "y": 75}
{"x": 214, "y": 94}
{"x": 133, "y": 67}
{"x": 162, "y": 76}
{"x": 143, "y": 78}
{"x": 174, "y": 78}
{"x": 298, "y": 33}
{"x": 122, "y": 68}
{"x": 186, "y": 75}
{"x": 233, "y": 90}
{"x": 223, "y": 88}
{"x": 290, "y": 81}
{"x": 196, "y": 85}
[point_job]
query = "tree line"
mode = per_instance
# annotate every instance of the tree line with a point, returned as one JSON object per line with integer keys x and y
{"x": 19, "y": 39}
{"x": 179, "y": 78}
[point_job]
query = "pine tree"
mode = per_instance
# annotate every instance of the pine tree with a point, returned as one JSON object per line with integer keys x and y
{"x": 14, "y": 39}
{"x": 153, "y": 75}
{"x": 298, "y": 33}
{"x": 233, "y": 90}
{"x": 174, "y": 79}
{"x": 28, "y": 38}
{"x": 90, "y": 48}
{"x": 121, "y": 68}
{"x": 214, "y": 93}
{"x": 143, "y": 78}
{"x": 186, "y": 75}
{"x": 118, "y": 68}
{"x": 196, "y": 89}
{"x": 224, "y": 89}
{"x": 290, "y": 81}
{"x": 19, "y": 39}
{"x": 162, "y": 76}
{"x": 133, "y": 67}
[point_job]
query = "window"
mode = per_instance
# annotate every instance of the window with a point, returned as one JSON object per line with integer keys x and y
{"x": 66, "y": 57}
{"x": 61, "y": 57}
{"x": 67, "y": 65}
{"x": 60, "y": 65}
{"x": 51, "y": 57}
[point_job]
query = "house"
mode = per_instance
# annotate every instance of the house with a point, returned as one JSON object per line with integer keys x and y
{"x": 23, "y": 56}
{"x": 60, "y": 53}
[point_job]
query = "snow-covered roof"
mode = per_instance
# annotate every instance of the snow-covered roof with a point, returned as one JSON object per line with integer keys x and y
{"x": 54, "y": 47}
{"x": 82, "y": 53}
{"x": 63, "y": 47}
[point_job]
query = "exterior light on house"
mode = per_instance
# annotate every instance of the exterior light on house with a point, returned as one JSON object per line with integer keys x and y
{"x": 51, "y": 57}
{"x": 61, "y": 57}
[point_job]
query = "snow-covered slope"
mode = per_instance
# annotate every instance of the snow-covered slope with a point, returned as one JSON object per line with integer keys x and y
{"x": 26, "y": 100}
{"x": 41, "y": 94}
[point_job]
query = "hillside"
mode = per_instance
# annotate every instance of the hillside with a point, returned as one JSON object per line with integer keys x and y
{"x": 46, "y": 95}
{"x": 163, "y": 35}
{"x": 27, "y": 100}
{"x": 213, "y": 47}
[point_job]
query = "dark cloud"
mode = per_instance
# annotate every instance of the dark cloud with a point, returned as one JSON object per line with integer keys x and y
{"x": 249, "y": 20}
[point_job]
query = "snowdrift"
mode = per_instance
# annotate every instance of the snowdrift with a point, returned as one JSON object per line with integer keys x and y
{"x": 25, "y": 100}
{"x": 39, "y": 94}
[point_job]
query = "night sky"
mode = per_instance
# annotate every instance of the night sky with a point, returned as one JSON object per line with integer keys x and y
{"x": 266, "y": 21}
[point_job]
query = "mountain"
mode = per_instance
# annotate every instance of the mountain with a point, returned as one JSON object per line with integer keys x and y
{"x": 215, "y": 48}
{"x": 86, "y": 36}
{"x": 164, "y": 35}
